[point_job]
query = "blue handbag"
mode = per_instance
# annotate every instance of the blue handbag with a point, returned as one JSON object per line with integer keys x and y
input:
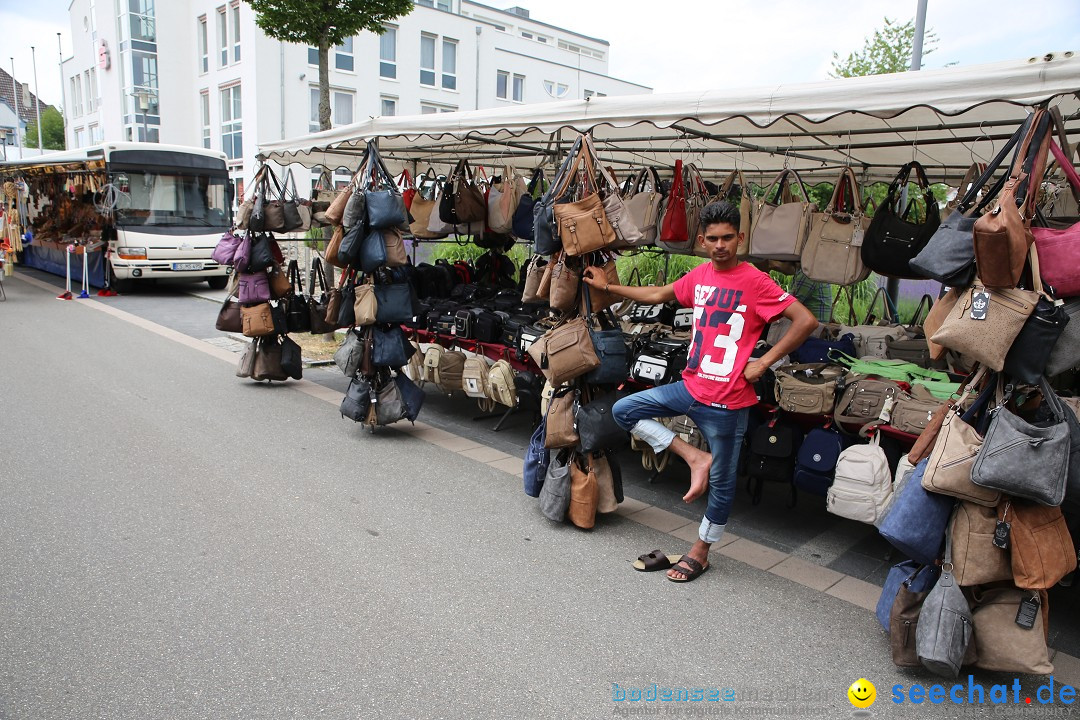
{"x": 815, "y": 462}
{"x": 915, "y": 521}
{"x": 522, "y": 222}
{"x": 394, "y": 303}
{"x": 919, "y": 578}
{"x": 390, "y": 348}
{"x": 411, "y": 395}
{"x": 816, "y": 350}
{"x": 537, "y": 459}
{"x": 372, "y": 251}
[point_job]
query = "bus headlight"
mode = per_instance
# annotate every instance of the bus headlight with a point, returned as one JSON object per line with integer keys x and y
{"x": 131, "y": 253}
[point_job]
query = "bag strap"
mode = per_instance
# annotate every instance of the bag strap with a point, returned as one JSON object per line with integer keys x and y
{"x": 972, "y": 192}
{"x": 612, "y": 184}
{"x": 316, "y": 273}
{"x": 881, "y": 293}
{"x": 922, "y": 309}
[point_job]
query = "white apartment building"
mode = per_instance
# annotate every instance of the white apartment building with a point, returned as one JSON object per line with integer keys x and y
{"x": 201, "y": 72}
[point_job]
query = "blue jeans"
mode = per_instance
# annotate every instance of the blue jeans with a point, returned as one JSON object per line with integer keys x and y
{"x": 723, "y": 430}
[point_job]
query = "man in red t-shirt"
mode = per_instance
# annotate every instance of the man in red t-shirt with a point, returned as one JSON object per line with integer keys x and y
{"x": 732, "y": 301}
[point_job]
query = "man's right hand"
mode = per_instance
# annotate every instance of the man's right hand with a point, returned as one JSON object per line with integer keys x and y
{"x": 595, "y": 277}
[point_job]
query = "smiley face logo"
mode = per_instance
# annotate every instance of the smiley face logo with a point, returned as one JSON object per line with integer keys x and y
{"x": 862, "y": 693}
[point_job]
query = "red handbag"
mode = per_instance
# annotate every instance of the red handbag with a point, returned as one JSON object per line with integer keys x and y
{"x": 673, "y": 228}
{"x": 1059, "y": 249}
{"x": 408, "y": 189}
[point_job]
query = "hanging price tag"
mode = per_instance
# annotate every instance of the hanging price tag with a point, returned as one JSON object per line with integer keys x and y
{"x": 980, "y": 303}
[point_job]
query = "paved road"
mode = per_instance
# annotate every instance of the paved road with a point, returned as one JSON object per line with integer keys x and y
{"x": 179, "y": 544}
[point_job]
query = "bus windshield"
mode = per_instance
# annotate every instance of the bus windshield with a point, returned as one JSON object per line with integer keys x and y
{"x": 166, "y": 199}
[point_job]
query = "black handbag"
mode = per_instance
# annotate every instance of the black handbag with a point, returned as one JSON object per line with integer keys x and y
{"x": 610, "y": 347}
{"x": 949, "y": 256}
{"x": 228, "y": 319}
{"x": 357, "y": 400}
{"x": 297, "y": 312}
{"x": 351, "y": 244}
{"x": 385, "y": 206}
{"x": 390, "y": 348}
{"x": 268, "y": 360}
{"x": 395, "y": 303}
{"x": 1026, "y": 361}
{"x": 372, "y": 251}
{"x": 292, "y": 362}
{"x": 346, "y": 311}
{"x": 317, "y": 306}
{"x": 596, "y": 427}
{"x": 522, "y": 222}
{"x": 281, "y": 319}
{"x": 262, "y": 255}
{"x": 411, "y": 395}
{"x": 892, "y": 241}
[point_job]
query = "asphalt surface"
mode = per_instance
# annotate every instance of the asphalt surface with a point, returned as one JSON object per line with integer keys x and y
{"x": 176, "y": 543}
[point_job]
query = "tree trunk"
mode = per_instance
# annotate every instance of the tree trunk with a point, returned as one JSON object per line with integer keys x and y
{"x": 324, "y": 83}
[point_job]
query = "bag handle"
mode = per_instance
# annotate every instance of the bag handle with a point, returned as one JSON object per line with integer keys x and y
{"x": 852, "y": 320}
{"x": 964, "y": 206}
{"x": 884, "y": 294}
{"x": 843, "y": 189}
{"x": 922, "y": 309}
{"x": 316, "y": 272}
{"x": 537, "y": 177}
{"x": 612, "y": 184}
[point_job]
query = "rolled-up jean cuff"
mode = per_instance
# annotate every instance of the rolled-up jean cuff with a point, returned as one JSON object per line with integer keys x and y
{"x": 710, "y": 532}
{"x": 656, "y": 434}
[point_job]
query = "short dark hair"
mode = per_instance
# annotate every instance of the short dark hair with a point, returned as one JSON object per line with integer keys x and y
{"x": 719, "y": 212}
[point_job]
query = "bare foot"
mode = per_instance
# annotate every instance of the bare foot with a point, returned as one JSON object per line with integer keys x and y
{"x": 700, "y": 464}
{"x": 700, "y": 552}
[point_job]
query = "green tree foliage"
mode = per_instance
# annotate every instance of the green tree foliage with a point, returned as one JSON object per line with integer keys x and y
{"x": 52, "y": 124}
{"x": 887, "y": 51}
{"x": 323, "y": 24}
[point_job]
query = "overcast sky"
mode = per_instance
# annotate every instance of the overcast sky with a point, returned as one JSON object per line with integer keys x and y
{"x": 669, "y": 46}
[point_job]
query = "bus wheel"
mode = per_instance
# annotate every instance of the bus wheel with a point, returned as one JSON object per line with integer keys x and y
{"x": 218, "y": 282}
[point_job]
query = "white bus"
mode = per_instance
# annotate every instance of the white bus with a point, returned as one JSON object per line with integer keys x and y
{"x": 160, "y": 209}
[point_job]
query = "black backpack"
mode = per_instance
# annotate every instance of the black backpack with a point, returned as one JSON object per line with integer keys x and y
{"x": 494, "y": 269}
{"x": 773, "y": 450}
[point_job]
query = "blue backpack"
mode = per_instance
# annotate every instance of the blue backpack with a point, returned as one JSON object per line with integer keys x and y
{"x": 816, "y": 350}
{"x": 537, "y": 459}
{"x": 816, "y": 461}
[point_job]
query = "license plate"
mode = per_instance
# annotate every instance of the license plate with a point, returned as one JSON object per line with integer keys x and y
{"x": 187, "y": 266}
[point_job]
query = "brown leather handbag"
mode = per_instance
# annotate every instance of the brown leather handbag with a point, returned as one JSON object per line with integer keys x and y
{"x": 607, "y": 501}
{"x": 336, "y": 212}
{"x": 976, "y": 560}
{"x": 257, "y": 320}
{"x": 534, "y": 273}
{"x": 565, "y": 352}
{"x": 396, "y": 256}
{"x": 469, "y": 202}
{"x": 331, "y": 254}
{"x": 903, "y": 620}
{"x": 583, "y": 224}
{"x": 1003, "y": 644}
{"x": 948, "y": 471}
{"x": 565, "y": 283}
{"x": 601, "y": 299}
{"x": 562, "y": 409}
{"x": 268, "y": 361}
{"x": 1003, "y": 235}
{"x": 229, "y": 318}
{"x": 1042, "y": 549}
{"x": 584, "y": 496}
{"x": 279, "y": 282}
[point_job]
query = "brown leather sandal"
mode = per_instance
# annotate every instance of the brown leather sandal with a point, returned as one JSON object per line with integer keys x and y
{"x": 656, "y": 560}
{"x": 692, "y": 570}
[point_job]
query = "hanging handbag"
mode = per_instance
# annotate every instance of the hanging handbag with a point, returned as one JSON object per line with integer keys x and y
{"x": 357, "y": 400}
{"x": 627, "y": 233}
{"x": 685, "y": 206}
{"x": 292, "y": 361}
{"x": 534, "y": 273}
{"x": 958, "y": 443}
{"x": 565, "y": 282}
{"x": 565, "y": 352}
{"x": 1003, "y": 235}
{"x": 583, "y": 225}
{"x": 1066, "y": 351}
{"x": 268, "y": 361}
{"x": 832, "y": 252}
{"x": 424, "y": 206}
{"x": 1003, "y": 313}
{"x": 318, "y": 305}
{"x": 911, "y": 574}
{"x": 346, "y": 316}
{"x": 891, "y": 240}
{"x": 643, "y": 204}
{"x": 365, "y": 306}
{"x": 372, "y": 252}
{"x": 257, "y": 320}
{"x": 561, "y": 419}
{"x": 335, "y": 213}
{"x": 596, "y": 427}
{"x": 584, "y": 496}
{"x": 394, "y": 302}
{"x": 949, "y": 255}
{"x": 555, "y": 493}
{"x": 781, "y": 228}
{"x": 332, "y": 247}
{"x": 394, "y": 242}
{"x": 904, "y": 613}
{"x": 279, "y": 282}
{"x": 503, "y": 201}
{"x": 736, "y": 191}
{"x": 297, "y": 312}
{"x": 390, "y": 348}
{"x": 546, "y": 237}
{"x": 297, "y": 212}
{"x": 613, "y": 353}
{"x": 537, "y": 459}
{"x": 915, "y": 520}
{"x": 411, "y": 395}
{"x": 1001, "y": 642}
{"x": 350, "y": 353}
{"x": 945, "y": 628}
{"x": 246, "y": 365}
{"x": 229, "y": 317}
{"x": 1012, "y": 447}
{"x": 225, "y": 250}
{"x": 977, "y": 559}
{"x": 262, "y": 254}
{"x": 608, "y": 498}
{"x": 1041, "y": 548}
{"x": 1059, "y": 248}
{"x": 1026, "y": 360}
{"x": 522, "y": 221}
{"x": 385, "y": 207}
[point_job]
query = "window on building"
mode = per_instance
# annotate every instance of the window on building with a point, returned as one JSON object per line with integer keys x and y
{"x": 587, "y": 52}
{"x": 231, "y": 131}
{"x": 7, "y": 134}
{"x": 427, "y": 60}
{"x": 94, "y": 87}
{"x": 440, "y": 4}
{"x": 449, "y": 64}
{"x": 78, "y": 96}
{"x": 519, "y": 88}
{"x": 502, "y": 81}
{"x": 343, "y": 55}
{"x": 556, "y": 89}
{"x": 313, "y": 56}
{"x": 223, "y": 38}
{"x": 593, "y": 93}
{"x": 78, "y": 137}
{"x": 234, "y": 17}
{"x": 204, "y": 114}
{"x": 389, "y": 105}
{"x": 204, "y": 58}
{"x": 96, "y": 136}
{"x": 89, "y": 92}
{"x": 427, "y": 108}
{"x": 341, "y": 108}
{"x": 388, "y": 53}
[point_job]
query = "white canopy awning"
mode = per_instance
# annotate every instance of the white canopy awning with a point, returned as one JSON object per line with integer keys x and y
{"x": 943, "y": 118}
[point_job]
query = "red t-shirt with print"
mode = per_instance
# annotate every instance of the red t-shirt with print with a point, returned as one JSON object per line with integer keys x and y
{"x": 731, "y": 308}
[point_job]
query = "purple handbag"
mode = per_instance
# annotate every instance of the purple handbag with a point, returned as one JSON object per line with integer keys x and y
{"x": 253, "y": 288}
{"x": 225, "y": 251}
{"x": 242, "y": 255}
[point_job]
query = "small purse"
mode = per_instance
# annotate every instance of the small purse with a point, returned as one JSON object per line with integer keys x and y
{"x": 891, "y": 240}
{"x": 555, "y": 493}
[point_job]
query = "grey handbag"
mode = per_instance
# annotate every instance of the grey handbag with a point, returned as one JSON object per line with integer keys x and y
{"x": 247, "y": 361}
{"x": 555, "y": 494}
{"x": 389, "y": 407}
{"x": 348, "y": 356}
{"x": 1014, "y": 448}
{"x": 945, "y": 627}
{"x": 1066, "y": 352}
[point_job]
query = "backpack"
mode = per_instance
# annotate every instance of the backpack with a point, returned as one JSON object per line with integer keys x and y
{"x": 862, "y": 484}
{"x": 451, "y": 366}
{"x": 501, "y": 384}
{"x": 414, "y": 370}
{"x": 816, "y": 460}
{"x": 493, "y": 269}
{"x": 474, "y": 377}
{"x": 773, "y": 448}
{"x": 432, "y": 361}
